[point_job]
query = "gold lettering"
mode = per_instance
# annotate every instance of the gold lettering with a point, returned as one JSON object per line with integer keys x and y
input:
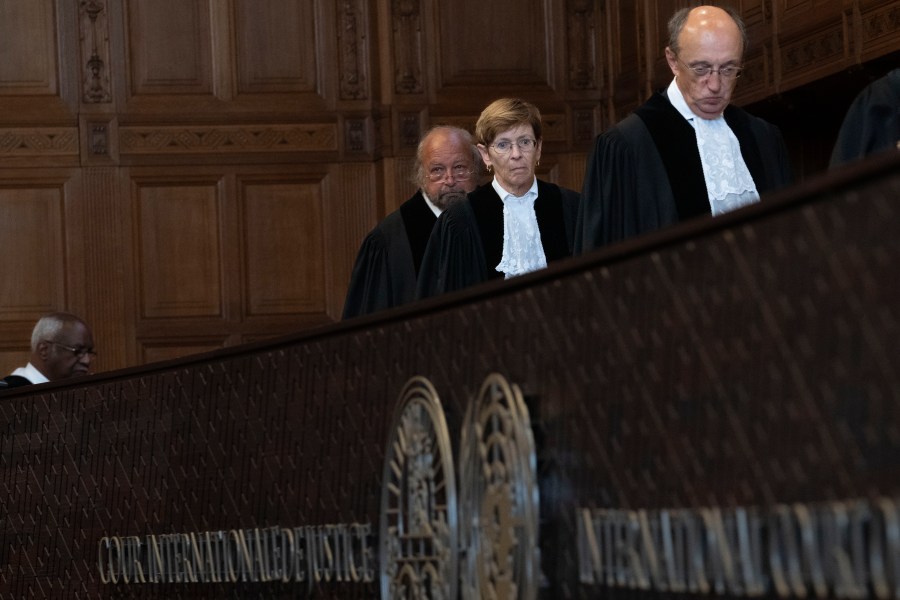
{"x": 124, "y": 560}
{"x": 261, "y": 557}
{"x": 114, "y": 542}
{"x": 245, "y": 560}
{"x": 287, "y": 558}
{"x": 104, "y": 577}
{"x": 154, "y": 559}
{"x": 885, "y": 554}
{"x": 191, "y": 558}
{"x": 352, "y": 575}
{"x": 327, "y": 554}
{"x": 811, "y": 550}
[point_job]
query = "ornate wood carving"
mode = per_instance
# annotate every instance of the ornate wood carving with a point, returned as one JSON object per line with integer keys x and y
{"x": 583, "y": 125}
{"x": 228, "y": 139}
{"x": 353, "y": 54}
{"x": 581, "y": 48}
{"x": 41, "y": 141}
{"x": 881, "y": 28}
{"x": 812, "y": 52}
{"x": 94, "y": 52}
{"x": 98, "y": 139}
{"x": 410, "y": 130}
{"x": 356, "y": 138}
{"x": 407, "y": 29}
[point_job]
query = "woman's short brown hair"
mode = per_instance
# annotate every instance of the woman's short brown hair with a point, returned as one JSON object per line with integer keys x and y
{"x": 504, "y": 114}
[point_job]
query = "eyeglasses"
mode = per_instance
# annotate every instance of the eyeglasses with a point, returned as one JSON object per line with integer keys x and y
{"x": 78, "y": 352}
{"x": 726, "y": 73}
{"x": 460, "y": 173}
{"x": 525, "y": 144}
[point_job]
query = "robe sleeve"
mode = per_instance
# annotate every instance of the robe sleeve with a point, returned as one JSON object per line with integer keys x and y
{"x": 872, "y": 122}
{"x": 370, "y": 282}
{"x": 626, "y": 189}
{"x": 454, "y": 258}
{"x": 571, "y": 204}
{"x": 776, "y": 160}
{"x": 609, "y": 183}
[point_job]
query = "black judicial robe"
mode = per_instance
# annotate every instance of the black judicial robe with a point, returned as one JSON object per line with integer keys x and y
{"x": 466, "y": 244}
{"x": 13, "y": 381}
{"x": 872, "y": 123}
{"x": 384, "y": 274}
{"x": 644, "y": 173}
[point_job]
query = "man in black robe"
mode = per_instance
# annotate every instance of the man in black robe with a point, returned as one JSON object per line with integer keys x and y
{"x": 686, "y": 152}
{"x": 447, "y": 168}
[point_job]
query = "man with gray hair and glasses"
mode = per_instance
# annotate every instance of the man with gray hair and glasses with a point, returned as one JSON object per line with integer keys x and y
{"x": 686, "y": 152}
{"x": 447, "y": 168}
{"x": 62, "y": 346}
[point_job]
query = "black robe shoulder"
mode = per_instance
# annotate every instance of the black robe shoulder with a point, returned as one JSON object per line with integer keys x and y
{"x": 644, "y": 173}
{"x": 13, "y": 381}
{"x": 466, "y": 244}
{"x": 388, "y": 260}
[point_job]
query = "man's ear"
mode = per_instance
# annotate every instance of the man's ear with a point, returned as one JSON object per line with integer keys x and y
{"x": 672, "y": 60}
{"x": 43, "y": 349}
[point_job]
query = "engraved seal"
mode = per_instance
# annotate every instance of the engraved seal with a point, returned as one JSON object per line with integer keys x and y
{"x": 418, "y": 533}
{"x": 499, "y": 496}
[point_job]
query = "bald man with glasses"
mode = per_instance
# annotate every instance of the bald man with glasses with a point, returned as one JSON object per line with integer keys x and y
{"x": 686, "y": 152}
{"x": 62, "y": 346}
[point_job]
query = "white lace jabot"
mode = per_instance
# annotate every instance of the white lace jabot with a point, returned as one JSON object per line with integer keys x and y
{"x": 522, "y": 248}
{"x": 728, "y": 181}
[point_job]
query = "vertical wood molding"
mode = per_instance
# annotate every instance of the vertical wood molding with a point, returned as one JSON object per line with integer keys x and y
{"x": 581, "y": 47}
{"x": 406, "y": 18}
{"x": 107, "y": 278}
{"x": 353, "y": 51}
{"x": 348, "y": 219}
{"x": 94, "y": 40}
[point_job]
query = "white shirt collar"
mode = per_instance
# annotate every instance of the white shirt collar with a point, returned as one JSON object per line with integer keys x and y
{"x": 531, "y": 193}
{"x": 680, "y": 104}
{"x": 431, "y": 205}
{"x": 31, "y": 373}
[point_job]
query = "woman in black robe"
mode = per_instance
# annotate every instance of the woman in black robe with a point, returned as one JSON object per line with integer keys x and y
{"x": 513, "y": 225}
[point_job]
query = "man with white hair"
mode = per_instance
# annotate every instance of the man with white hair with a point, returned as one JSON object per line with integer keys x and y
{"x": 62, "y": 346}
{"x": 387, "y": 266}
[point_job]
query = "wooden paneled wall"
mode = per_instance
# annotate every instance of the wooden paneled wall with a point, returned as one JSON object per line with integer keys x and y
{"x": 192, "y": 174}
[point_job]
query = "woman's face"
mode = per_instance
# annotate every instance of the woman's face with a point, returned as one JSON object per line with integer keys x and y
{"x": 513, "y": 154}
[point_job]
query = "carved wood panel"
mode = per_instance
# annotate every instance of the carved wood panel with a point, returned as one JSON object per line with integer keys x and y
{"x": 813, "y": 40}
{"x": 179, "y": 248}
{"x": 169, "y": 47}
{"x": 29, "y": 65}
{"x": 283, "y": 225}
{"x": 33, "y": 247}
{"x": 275, "y": 46}
{"x": 519, "y": 52}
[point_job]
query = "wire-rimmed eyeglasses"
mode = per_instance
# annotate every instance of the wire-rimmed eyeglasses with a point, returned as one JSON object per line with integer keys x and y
{"x": 78, "y": 352}
{"x": 460, "y": 173}
{"x": 525, "y": 144}
{"x": 726, "y": 73}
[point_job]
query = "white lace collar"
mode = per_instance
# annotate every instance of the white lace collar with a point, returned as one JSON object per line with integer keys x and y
{"x": 523, "y": 251}
{"x": 728, "y": 181}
